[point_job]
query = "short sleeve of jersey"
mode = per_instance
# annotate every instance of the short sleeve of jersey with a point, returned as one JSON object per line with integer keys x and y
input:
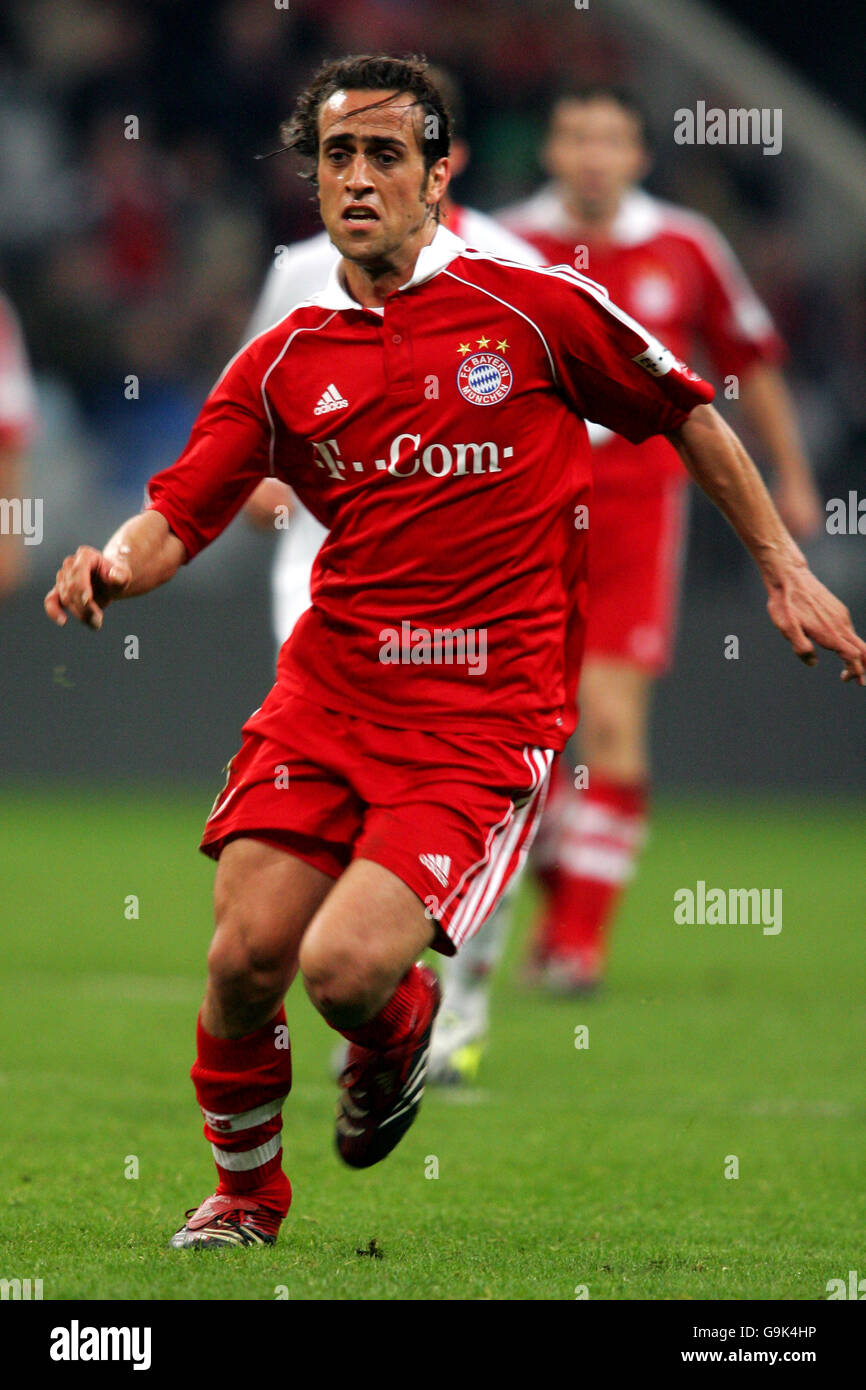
{"x": 227, "y": 455}
{"x": 736, "y": 328}
{"x": 608, "y": 367}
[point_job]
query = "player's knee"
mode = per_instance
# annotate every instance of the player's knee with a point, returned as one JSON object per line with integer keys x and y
{"x": 242, "y": 963}
{"x": 345, "y": 982}
{"x": 613, "y": 740}
{"x": 607, "y": 726}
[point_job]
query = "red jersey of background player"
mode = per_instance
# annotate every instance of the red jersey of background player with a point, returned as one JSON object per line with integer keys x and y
{"x": 441, "y": 442}
{"x": 672, "y": 271}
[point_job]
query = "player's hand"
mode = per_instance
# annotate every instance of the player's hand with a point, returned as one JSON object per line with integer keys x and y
{"x": 85, "y": 585}
{"x": 798, "y": 503}
{"x": 806, "y": 612}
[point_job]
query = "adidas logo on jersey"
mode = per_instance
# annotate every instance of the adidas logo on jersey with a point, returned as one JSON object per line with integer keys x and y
{"x": 439, "y": 866}
{"x": 329, "y": 400}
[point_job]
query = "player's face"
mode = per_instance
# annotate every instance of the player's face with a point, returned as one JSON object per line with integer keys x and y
{"x": 376, "y": 197}
{"x": 596, "y": 151}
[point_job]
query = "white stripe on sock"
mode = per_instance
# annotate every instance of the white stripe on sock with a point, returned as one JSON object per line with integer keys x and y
{"x": 250, "y": 1158}
{"x": 246, "y": 1119}
{"x": 598, "y": 862}
{"x": 582, "y": 816}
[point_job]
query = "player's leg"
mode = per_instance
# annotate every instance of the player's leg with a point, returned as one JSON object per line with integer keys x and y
{"x": 264, "y": 899}
{"x": 460, "y": 1032}
{"x": 359, "y": 947}
{"x": 358, "y": 962}
{"x": 602, "y": 825}
{"x": 597, "y": 819}
{"x": 480, "y": 811}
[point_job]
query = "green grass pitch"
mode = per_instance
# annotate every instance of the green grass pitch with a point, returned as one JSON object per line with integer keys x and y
{"x": 564, "y": 1168}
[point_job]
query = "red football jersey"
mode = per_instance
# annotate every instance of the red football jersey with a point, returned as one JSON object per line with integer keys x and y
{"x": 440, "y": 439}
{"x": 676, "y": 274}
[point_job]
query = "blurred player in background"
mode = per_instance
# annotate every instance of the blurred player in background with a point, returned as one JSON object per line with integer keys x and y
{"x": 673, "y": 271}
{"x": 301, "y": 270}
{"x": 17, "y": 425}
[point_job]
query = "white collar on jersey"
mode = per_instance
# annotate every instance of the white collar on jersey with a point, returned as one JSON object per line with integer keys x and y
{"x": 638, "y": 218}
{"x": 431, "y": 259}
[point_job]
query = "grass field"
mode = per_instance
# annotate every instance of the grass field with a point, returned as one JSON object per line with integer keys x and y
{"x": 601, "y": 1167}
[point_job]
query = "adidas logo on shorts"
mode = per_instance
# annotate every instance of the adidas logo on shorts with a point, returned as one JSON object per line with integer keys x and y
{"x": 439, "y": 866}
{"x": 329, "y": 400}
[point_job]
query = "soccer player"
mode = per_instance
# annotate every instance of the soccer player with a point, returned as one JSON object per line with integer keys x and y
{"x": 299, "y": 270}
{"x": 388, "y": 787}
{"x": 673, "y": 271}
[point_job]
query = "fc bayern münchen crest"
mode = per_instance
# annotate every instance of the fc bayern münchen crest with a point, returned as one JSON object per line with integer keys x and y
{"x": 484, "y": 378}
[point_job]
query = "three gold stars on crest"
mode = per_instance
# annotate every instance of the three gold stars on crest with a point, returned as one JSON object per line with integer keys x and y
{"x": 501, "y": 346}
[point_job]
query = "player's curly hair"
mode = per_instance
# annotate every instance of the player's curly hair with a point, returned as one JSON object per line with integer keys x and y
{"x": 370, "y": 72}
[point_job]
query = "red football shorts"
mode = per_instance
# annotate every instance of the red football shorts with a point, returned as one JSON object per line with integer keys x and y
{"x": 636, "y": 544}
{"x": 453, "y": 816}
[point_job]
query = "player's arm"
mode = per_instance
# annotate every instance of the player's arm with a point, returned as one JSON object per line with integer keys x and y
{"x": 803, "y": 610}
{"x": 612, "y": 370}
{"x": 140, "y": 556}
{"x": 767, "y": 404}
{"x": 300, "y": 270}
{"x": 739, "y": 333}
{"x": 279, "y": 293}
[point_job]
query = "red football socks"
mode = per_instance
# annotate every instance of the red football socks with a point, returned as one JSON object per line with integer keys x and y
{"x": 398, "y": 1020}
{"x": 241, "y": 1084}
{"x": 601, "y": 831}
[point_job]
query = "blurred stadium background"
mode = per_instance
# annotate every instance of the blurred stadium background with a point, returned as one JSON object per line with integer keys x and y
{"x": 145, "y": 257}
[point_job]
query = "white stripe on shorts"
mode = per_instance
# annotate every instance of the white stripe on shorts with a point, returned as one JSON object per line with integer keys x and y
{"x": 218, "y": 809}
{"x": 515, "y": 838}
{"x": 502, "y": 841}
{"x": 502, "y": 857}
{"x": 491, "y": 881}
